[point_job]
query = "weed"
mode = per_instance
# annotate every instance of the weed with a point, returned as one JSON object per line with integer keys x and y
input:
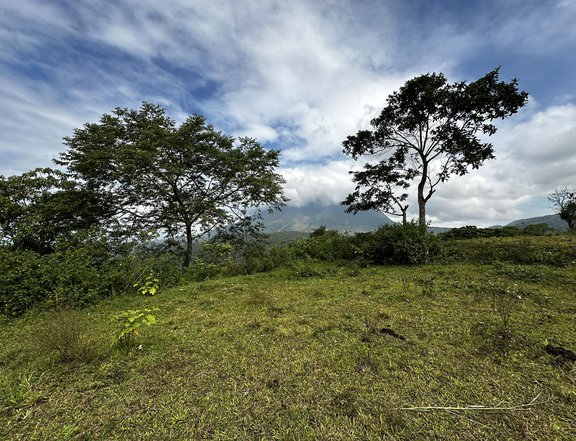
{"x": 20, "y": 393}
{"x": 504, "y": 302}
{"x": 67, "y": 333}
{"x": 406, "y": 283}
{"x": 366, "y": 361}
{"x": 304, "y": 270}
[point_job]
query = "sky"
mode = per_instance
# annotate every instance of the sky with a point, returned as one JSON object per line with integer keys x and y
{"x": 299, "y": 76}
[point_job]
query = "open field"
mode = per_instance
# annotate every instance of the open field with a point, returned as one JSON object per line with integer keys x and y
{"x": 315, "y": 351}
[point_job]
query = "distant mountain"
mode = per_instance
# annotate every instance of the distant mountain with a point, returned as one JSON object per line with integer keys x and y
{"x": 293, "y": 221}
{"x": 333, "y": 217}
{"x": 551, "y": 219}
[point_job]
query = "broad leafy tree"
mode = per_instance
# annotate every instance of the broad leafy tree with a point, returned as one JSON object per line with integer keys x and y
{"x": 178, "y": 180}
{"x": 428, "y": 131}
{"x": 564, "y": 200}
{"x": 43, "y": 206}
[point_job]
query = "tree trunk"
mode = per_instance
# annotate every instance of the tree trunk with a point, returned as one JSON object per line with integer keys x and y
{"x": 189, "y": 244}
{"x": 421, "y": 198}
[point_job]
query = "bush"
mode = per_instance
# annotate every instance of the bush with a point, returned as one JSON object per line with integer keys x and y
{"x": 399, "y": 244}
{"x": 67, "y": 334}
{"x": 24, "y": 280}
{"x": 75, "y": 277}
{"x": 325, "y": 245}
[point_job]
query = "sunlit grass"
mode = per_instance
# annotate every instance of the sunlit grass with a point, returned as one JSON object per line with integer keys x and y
{"x": 309, "y": 355}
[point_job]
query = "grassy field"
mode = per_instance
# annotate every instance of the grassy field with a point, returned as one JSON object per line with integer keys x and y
{"x": 311, "y": 352}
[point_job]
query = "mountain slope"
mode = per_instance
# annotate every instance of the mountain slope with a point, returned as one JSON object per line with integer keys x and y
{"x": 551, "y": 219}
{"x": 312, "y": 216}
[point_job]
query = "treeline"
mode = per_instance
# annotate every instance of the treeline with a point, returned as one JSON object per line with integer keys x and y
{"x": 79, "y": 273}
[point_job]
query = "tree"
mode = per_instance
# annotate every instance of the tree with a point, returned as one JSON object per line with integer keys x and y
{"x": 564, "y": 200}
{"x": 427, "y": 132}
{"x": 173, "y": 179}
{"x": 42, "y": 206}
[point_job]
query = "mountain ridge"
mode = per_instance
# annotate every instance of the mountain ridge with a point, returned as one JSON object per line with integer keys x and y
{"x": 309, "y": 217}
{"x": 312, "y": 216}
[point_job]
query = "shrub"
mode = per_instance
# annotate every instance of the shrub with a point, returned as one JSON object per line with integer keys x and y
{"x": 23, "y": 280}
{"x": 67, "y": 334}
{"x": 399, "y": 244}
{"x": 72, "y": 277}
{"x": 325, "y": 245}
{"x": 505, "y": 300}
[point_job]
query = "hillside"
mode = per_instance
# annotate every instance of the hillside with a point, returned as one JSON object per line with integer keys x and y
{"x": 310, "y": 217}
{"x": 307, "y": 218}
{"x": 306, "y": 352}
{"x": 552, "y": 219}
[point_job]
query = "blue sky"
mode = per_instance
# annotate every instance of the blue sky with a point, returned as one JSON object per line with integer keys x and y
{"x": 300, "y": 76}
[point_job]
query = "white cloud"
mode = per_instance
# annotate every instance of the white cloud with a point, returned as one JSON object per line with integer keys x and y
{"x": 296, "y": 75}
{"x": 534, "y": 156}
{"x": 327, "y": 183}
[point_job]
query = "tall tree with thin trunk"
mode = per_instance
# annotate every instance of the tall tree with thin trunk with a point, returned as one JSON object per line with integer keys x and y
{"x": 180, "y": 181}
{"x": 427, "y": 132}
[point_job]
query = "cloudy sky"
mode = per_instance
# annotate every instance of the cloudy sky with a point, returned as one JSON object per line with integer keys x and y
{"x": 300, "y": 76}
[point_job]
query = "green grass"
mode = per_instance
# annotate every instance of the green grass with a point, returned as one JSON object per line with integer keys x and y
{"x": 297, "y": 354}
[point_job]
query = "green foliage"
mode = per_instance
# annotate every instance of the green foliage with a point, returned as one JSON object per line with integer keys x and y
{"x": 212, "y": 262}
{"x": 72, "y": 277}
{"x": 303, "y": 269}
{"x": 20, "y": 393}
{"x": 183, "y": 181}
{"x": 43, "y": 206}
{"x": 62, "y": 279}
{"x": 130, "y": 325}
{"x": 564, "y": 200}
{"x": 400, "y": 244}
{"x": 473, "y": 232}
{"x": 149, "y": 287}
{"x": 329, "y": 245}
{"x": 426, "y": 133}
{"x": 556, "y": 250}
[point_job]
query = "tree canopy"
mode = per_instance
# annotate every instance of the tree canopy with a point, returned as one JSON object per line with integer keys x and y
{"x": 179, "y": 180}
{"x": 427, "y": 132}
{"x": 42, "y": 206}
{"x": 564, "y": 200}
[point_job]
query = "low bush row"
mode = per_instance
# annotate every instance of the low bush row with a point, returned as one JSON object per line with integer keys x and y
{"x": 75, "y": 277}
{"x": 79, "y": 275}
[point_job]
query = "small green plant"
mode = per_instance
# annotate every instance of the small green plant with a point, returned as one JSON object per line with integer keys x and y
{"x": 131, "y": 323}
{"x": 149, "y": 287}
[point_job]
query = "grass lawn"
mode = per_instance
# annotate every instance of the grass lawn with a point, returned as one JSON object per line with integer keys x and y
{"x": 313, "y": 352}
